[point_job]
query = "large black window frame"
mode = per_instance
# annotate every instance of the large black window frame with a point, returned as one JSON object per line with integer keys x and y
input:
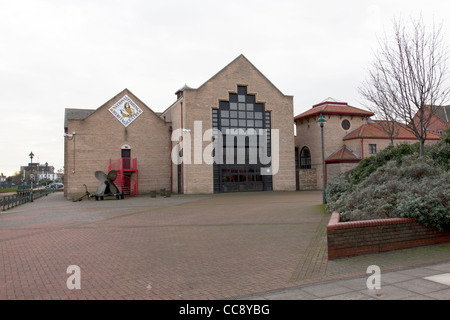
{"x": 239, "y": 118}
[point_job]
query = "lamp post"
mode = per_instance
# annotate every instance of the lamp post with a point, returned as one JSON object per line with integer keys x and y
{"x": 46, "y": 173}
{"x": 31, "y": 155}
{"x": 321, "y": 121}
{"x": 46, "y": 177}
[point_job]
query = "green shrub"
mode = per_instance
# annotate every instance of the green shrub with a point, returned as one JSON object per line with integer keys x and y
{"x": 338, "y": 187}
{"x": 427, "y": 202}
{"x": 440, "y": 152}
{"x": 397, "y": 183}
{"x": 414, "y": 187}
{"x": 371, "y": 164}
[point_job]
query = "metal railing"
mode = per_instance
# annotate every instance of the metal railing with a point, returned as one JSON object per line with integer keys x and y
{"x": 123, "y": 164}
{"x": 21, "y": 197}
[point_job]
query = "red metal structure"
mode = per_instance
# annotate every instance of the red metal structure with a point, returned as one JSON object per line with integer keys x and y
{"x": 127, "y": 175}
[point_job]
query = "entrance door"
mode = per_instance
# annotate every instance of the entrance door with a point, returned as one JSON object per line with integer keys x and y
{"x": 241, "y": 178}
{"x": 126, "y": 159}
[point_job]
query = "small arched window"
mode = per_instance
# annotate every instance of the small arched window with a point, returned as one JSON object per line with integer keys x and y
{"x": 305, "y": 158}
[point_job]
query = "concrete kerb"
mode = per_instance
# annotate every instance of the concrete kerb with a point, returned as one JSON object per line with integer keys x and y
{"x": 405, "y": 283}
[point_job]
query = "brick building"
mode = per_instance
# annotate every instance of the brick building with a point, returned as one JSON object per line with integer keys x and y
{"x": 439, "y": 121}
{"x": 349, "y": 136}
{"x": 123, "y": 134}
{"x": 170, "y": 150}
{"x": 41, "y": 171}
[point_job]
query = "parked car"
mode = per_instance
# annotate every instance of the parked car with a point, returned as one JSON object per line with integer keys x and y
{"x": 56, "y": 185}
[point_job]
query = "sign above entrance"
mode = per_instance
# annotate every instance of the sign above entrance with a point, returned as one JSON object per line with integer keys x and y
{"x": 125, "y": 110}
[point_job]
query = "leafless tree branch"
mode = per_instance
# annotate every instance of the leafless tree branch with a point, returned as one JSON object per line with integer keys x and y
{"x": 407, "y": 79}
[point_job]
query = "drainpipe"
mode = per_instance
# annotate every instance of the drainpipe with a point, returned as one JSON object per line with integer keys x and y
{"x": 171, "y": 162}
{"x": 182, "y": 150}
{"x": 362, "y": 148}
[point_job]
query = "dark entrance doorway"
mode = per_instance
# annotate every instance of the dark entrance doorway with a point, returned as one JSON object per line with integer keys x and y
{"x": 126, "y": 159}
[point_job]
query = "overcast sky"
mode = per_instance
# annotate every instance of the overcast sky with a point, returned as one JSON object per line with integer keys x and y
{"x": 61, "y": 54}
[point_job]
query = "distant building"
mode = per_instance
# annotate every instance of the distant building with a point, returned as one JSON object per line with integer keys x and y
{"x": 2, "y": 178}
{"x": 439, "y": 119}
{"x": 40, "y": 171}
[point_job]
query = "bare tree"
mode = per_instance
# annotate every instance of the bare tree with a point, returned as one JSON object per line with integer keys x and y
{"x": 407, "y": 79}
{"x": 380, "y": 106}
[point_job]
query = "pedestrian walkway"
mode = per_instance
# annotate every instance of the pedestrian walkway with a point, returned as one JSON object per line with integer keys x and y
{"x": 262, "y": 245}
{"x": 430, "y": 282}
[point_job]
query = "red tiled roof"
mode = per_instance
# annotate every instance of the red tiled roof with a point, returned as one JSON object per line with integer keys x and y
{"x": 344, "y": 153}
{"x": 332, "y": 107}
{"x": 375, "y": 130}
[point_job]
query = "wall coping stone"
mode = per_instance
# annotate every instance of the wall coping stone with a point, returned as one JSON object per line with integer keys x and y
{"x": 335, "y": 224}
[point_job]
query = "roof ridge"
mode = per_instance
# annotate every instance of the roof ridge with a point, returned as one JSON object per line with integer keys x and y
{"x": 362, "y": 129}
{"x": 335, "y": 152}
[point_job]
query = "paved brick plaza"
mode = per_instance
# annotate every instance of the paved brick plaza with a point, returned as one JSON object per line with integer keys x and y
{"x": 182, "y": 247}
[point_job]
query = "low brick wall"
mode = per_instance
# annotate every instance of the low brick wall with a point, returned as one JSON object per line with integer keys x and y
{"x": 372, "y": 236}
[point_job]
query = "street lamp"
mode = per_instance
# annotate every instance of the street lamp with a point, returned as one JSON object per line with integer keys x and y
{"x": 321, "y": 121}
{"x": 46, "y": 177}
{"x": 31, "y": 155}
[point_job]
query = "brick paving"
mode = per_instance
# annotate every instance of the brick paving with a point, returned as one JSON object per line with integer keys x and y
{"x": 182, "y": 247}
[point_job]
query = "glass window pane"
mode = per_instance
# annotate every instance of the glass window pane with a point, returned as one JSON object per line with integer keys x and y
{"x": 233, "y": 106}
{"x": 223, "y": 104}
{"x": 249, "y": 106}
{"x": 251, "y": 98}
{"x": 234, "y": 122}
{"x": 242, "y": 114}
{"x": 241, "y": 106}
{"x": 241, "y": 98}
{"x": 224, "y": 114}
{"x": 249, "y": 115}
{"x": 250, "y": 123}
{"x": 258, "y": 123}
{"x": 225, "y": 122}
{"x": 242, "y": 123}
{"x": 242, "y": 90}
{"x": 233, "y": 114}
{"x": 258, "y": 115}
